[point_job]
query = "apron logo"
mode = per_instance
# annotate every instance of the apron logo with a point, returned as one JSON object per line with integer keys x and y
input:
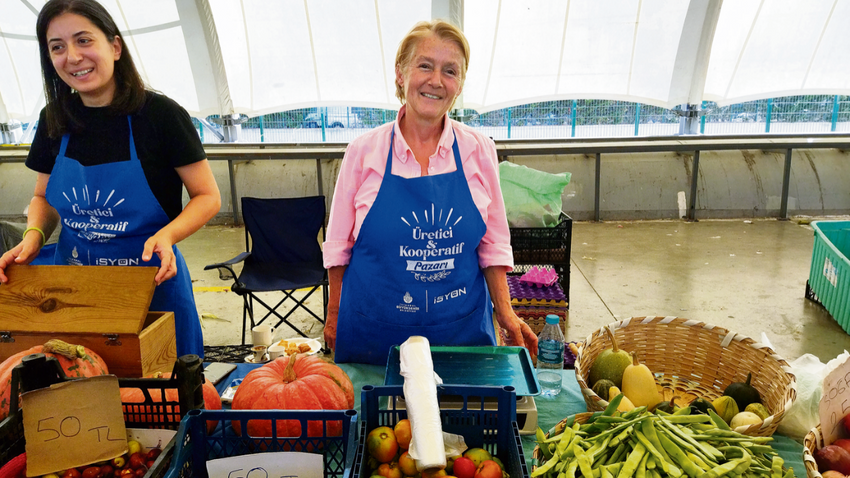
{"x": 87, "y": 230}
{"x": 407, "y": 307}
{"x": 431, "y": 262}
{"x": 451, "y": 295}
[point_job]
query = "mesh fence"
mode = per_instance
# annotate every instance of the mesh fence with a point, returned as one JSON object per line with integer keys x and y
{"x": 585, "y": 118}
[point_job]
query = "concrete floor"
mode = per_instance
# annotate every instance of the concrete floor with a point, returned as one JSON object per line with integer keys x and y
{"x": 747, "y": 276}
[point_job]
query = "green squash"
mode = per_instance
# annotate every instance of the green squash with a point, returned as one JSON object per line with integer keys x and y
{"x": 601, "y": 388}
{"x": 743, "y": 393}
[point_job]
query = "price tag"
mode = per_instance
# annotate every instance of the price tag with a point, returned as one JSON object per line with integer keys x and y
{"x": 73, "y": 424}
{"x": 268, "y": 465}
{"x": 835, "y": 402}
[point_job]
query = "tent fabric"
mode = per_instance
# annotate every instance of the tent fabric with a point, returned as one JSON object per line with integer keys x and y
{"x": 261, "y": 56}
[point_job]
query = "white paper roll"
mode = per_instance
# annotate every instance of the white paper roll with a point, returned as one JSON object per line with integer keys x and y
{"x": 423, "y": 408}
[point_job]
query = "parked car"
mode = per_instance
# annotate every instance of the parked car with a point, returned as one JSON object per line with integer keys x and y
{"x": 334, "y": 117}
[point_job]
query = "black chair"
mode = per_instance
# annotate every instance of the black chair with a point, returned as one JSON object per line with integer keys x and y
{"x": 283, "y": 255}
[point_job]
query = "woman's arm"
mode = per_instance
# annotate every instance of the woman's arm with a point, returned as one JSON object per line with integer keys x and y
{"x": 519, "y": 332}
{"x": 204, "y": 203}
{"x": 335, "y": 284}
{"x": 40, "y": 215}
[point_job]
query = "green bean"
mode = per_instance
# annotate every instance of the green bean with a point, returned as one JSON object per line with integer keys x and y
{"x": 683, "y": 443}
{"x": 776, "y": 469}
{"x": 721, "y": 424}
{"x": 650, "y": 463}
{"x": 632, "y": 462}
{"x": 660, "y": 459}
{"x": 726, "y": 468}
{"x": 789, "y": 473}
{"x": 613, "y": 404}
{"x": 683, "y": 411}
{"x": 585, "y": 463}
{"x": 698, "y": 461}
{"x": 708, "y": 451}
{"x": 679, "y": 456}
{"x": 603, "y": 472}
{"x": 648, "y": 429}
{"x": 687, "y": 418}
{"x": 622, "y": 435}
{"x": 569, "y": 449}
{"x": 570, "y": 472}
{"x": 607, "y": 419}
{"x": 655, "y": 473}
{"x": 641, "y": 469}
{"x": 617, "y": 454}
{"x": 634, "y": 412}
{"x": 546, "y": 467}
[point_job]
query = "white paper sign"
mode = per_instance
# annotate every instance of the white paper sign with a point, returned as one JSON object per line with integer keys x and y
{"x": 268, "y": 465}
{"x": 835, "y": 402}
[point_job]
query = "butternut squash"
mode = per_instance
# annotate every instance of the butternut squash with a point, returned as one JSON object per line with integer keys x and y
{"x": 639, "y": 384}
{"x": 625, "y": 404}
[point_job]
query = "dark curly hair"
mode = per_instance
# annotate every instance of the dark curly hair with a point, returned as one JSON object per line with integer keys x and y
{"x": 130, "y": 93}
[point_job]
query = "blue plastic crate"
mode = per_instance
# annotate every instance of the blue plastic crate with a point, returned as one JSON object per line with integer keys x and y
{"x": 494, "y": 430}
{"x": 829, "y": 276}
{"x": 195, "y": 446}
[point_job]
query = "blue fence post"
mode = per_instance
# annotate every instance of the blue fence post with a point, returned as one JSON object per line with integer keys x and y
{"x": 637, "y": 117}
{"x": 769, "y": 113}
{"x": 835, "y": 104}
{"x": 262, "y": 131}
{"x": 509, "y": 123}
{"x": 323, "y": 128}
{"x": 202, "y": 131}
{"x": 702, "y": 119}
{"x": 573, "y": 118}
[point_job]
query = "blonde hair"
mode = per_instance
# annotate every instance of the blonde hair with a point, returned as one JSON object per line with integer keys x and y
{"x": 444, "y": 31}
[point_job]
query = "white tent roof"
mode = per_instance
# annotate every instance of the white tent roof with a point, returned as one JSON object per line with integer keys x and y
{"x": 260, "y": 56}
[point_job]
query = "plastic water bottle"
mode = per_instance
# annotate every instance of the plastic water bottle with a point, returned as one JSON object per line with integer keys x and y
{"x": 550, "y": 356}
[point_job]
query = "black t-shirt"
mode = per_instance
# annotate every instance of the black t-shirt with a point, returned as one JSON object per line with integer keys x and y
{"x": 163, "y": 133}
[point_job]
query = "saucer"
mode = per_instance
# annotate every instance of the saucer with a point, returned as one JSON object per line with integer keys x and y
{"x": 263, "y": 359}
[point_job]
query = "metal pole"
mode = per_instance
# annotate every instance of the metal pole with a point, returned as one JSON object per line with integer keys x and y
{"x": 835, "y": 105}
{"x": 702, "y": 120}
{"x": 233, "y": 202}
{"x": 637, "y": 118}
{"x": 786, "y": 179}
{"x": 509, "y": 123}
{"x": 319, "y": 176}
{"x": 596, "y": 190}
{"x": 573, "y": 117}
{"x": 262, "y": 131}
{"x": 769, "y": 113}
{"x": 692, "y": 206}
{"x": 323, "y": 127}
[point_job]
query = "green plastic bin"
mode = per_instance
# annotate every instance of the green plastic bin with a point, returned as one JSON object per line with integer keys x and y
{"x": 829, "y": 276}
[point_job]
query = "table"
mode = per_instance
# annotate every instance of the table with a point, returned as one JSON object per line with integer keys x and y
{"x": 549, "y": 410}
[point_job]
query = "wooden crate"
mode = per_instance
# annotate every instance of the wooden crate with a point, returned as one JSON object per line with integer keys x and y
{"x": 104, "y": 308}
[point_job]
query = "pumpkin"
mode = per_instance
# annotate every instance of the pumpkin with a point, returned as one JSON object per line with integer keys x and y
{"x": 75, "y": 360}
{"x": 295, "y": 382}
{"x": 212, "y": 401}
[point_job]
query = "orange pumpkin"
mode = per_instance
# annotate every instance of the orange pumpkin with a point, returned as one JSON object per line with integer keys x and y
{"x": 212, "y": 401}
{"x": 75, "y": 360}
{"x": 295, "y": 382}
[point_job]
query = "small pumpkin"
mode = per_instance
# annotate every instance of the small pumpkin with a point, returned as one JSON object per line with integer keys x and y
{"x": 294, "y": 382}
{"x": 601, "y": 388}
{"x": 212, "y": 401}
{"x": 75, "y": 360}
{"x": 743, "y": 393}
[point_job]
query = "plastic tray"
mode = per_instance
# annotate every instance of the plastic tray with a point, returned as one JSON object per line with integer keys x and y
{"x": 195, "y": 447}
{"x": 481, "y": 366}
{"x": 829, "y": 276}
{"x": 163, "y": 414}
{"x": 494, "y": 430}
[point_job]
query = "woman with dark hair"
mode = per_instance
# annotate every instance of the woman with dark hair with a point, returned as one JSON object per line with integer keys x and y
{"x": 112, "y": 159}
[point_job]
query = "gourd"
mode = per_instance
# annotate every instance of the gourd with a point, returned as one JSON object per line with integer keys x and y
{"x": 75, "y": 361}
{"x": 701, "y": 405}
{"x": 212, "y": 401}
{"x": 610, "y": 363}
{"x": 743, "y": 393}
{"x": 296, "y": 382}
{"x": 601, "y": 388}
{"x": 625, "y": 404}
{"x": 726, "y": 407}
{"x": 745, "y": 418}
{"x": 639, "y": 384}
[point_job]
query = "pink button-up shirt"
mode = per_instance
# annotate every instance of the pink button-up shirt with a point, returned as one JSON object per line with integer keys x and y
{"x": 362, "y": 171}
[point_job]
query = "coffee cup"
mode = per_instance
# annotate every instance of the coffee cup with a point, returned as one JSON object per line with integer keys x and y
{"x": 276, "y": 351}
{"x": 262, "y": 334}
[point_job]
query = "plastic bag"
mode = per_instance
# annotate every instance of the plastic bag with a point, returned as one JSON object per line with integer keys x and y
{"x": 803, "y": 415}
{"x": 532, "y": 198}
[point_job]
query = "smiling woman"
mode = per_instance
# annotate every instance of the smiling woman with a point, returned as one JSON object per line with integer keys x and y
{"x": 418, "y": 218}
{"x": 104, "y": 133}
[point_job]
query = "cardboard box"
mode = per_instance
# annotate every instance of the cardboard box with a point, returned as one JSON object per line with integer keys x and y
{"x": 104, "y": 308}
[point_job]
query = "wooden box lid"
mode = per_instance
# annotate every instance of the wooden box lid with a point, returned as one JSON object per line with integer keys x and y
{"x": 84, "y": 299}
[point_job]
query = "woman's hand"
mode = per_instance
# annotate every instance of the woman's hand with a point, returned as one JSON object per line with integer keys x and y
{"x": 518, "y": 331}
{"x": 23, "y": 253}
{"x": 330, "y": 328}
{"x": 160, "y": 244}
{"x": 335, "y": 275}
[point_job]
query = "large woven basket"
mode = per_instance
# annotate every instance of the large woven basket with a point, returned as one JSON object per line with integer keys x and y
{"x": 813, "y": 441}
{"x": 692, "y": 359}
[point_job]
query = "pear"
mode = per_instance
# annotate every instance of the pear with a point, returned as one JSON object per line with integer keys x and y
{"x": 610, "y": 364}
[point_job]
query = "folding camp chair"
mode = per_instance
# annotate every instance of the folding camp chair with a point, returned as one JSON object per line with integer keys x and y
{"x": 283, "y": 254}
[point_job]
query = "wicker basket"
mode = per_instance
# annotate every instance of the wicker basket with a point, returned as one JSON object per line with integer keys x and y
{"x": 693, "y": 359}
{"x": 813, "y": 441}
{"x": 538, "y": 455}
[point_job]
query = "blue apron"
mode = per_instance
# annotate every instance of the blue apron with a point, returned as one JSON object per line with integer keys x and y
{"x": 108, "y": 212}
{"x": 414, "y": 269}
